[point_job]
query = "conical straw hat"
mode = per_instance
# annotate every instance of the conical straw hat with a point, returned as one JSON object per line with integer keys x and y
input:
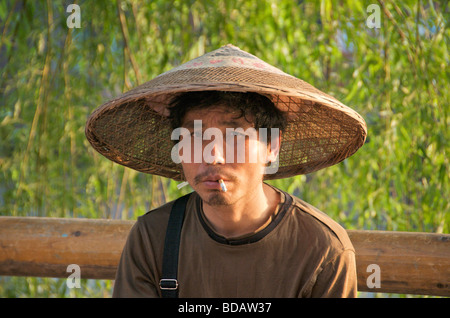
{"x": 133, "y": 129}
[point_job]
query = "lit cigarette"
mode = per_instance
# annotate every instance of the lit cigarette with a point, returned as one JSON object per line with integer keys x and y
{"x": 222, "y": 185}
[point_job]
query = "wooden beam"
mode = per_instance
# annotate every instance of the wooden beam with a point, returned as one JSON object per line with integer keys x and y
{"x": 44, "y": 247}
{"x": 409, "y": 263}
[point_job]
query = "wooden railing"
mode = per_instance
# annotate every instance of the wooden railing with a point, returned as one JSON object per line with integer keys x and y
{"x": 388, "y": 262}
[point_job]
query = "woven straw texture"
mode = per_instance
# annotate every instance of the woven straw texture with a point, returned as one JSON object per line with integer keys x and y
{"x": 132, "y": 129}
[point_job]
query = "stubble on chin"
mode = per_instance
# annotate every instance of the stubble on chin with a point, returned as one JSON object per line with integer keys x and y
{"x": 216, "y": 199}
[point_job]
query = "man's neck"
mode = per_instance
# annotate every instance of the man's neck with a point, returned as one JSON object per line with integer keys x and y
{"x": 247, "y": 215}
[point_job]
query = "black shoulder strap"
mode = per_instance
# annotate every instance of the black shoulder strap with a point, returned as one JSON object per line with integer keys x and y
{"x": 169, "y": 283}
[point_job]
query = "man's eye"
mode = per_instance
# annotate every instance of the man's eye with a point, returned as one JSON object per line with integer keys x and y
{"x": 196, "y": 134}
{"x": 236, "y": 134}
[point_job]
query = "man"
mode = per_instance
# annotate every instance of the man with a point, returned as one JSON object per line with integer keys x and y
{"x": 240, "y": 237}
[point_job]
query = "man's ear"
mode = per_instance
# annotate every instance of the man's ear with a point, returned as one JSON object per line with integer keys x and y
{"x": 273, "y": 148}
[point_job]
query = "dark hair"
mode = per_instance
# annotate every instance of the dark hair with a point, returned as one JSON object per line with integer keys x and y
{"x": 251, "y": 105}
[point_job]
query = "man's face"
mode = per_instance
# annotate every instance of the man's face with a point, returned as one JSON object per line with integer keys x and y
{"x": 241, "y": 169}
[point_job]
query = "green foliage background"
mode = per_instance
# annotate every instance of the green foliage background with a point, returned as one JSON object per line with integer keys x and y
{"x": 52, "y": 77}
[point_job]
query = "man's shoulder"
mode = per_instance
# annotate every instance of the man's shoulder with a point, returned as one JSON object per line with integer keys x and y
{"x": 159, "y": 216}
{"x": 320, "y": 224}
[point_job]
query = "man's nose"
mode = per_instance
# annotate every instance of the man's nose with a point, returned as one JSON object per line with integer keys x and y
{"x": 216, "y": 155}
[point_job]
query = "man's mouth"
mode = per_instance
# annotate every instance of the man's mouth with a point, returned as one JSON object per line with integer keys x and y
{"x": 214, "y": 181}
{"x": 215, "y": 184}
{"x": 213, "y": 178}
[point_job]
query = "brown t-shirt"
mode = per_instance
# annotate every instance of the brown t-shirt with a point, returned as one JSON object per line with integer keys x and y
{"x": 301, "y": 253}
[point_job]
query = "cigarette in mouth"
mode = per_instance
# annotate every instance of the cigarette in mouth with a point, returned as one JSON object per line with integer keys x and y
{"x": 222, "y": 185}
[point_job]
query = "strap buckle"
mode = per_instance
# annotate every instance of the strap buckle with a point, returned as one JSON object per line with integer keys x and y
{"x": 168, "y": 284}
